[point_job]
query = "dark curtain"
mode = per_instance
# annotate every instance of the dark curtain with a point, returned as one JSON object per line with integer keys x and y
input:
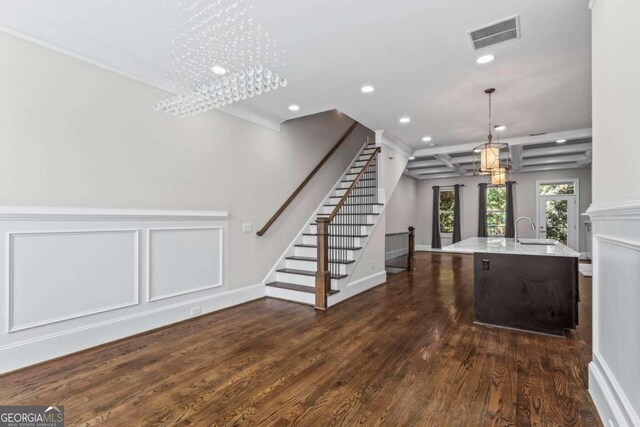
{"x": 457, "y": 233}
{"x": 510, "y": 229}
{"x": 482, "y": 210}
{"x": 435, "y": 223}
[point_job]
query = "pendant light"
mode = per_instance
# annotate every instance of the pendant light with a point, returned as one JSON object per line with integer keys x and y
{"x": 492, "y": 158}
{"x": 489, "y": 155}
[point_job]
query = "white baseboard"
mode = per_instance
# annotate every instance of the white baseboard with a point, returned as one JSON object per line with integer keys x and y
{"x": 40, "y": 349}
{"x": 612, "y": 404}
{"x": 357, "y": 287}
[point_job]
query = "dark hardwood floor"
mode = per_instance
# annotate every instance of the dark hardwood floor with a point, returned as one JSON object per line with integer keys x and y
{"x": 404, "y": 353}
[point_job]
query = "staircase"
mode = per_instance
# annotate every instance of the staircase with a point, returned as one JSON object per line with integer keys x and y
{"x": 351, "y": 220}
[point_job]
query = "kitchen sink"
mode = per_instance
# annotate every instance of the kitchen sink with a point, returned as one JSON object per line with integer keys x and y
{"x": 546, "y": 242}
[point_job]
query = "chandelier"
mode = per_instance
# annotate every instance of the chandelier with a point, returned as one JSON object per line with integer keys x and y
{"x": 492, "y": 159}
{"x": 221, "y": 53}
{"x": 237, "y": 86}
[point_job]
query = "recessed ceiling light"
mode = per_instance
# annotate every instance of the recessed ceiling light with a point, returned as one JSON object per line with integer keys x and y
{"x": 412, "y": 158}
{"x": 499, "y": 128}
{"x": 367, "y": 89}
{"x": 485, "y": 59}
{"x": 219, "y": 70}
{"x": 426, "y": 138}
{"x": 432, "y": 144}
{"x": 294, "y": 107}
{"x": 561, "y": 141}
{"x": 404, "y": 120}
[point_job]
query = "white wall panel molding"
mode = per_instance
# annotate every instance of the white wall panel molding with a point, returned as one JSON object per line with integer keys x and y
{"x": 185, "y": 260}
{"x": 54, "y": 276}
{"x": 101, "y": 214}
{"x": 76, "y": 277}
{"x": 613, "y": 373}
{"x": 624, "y": 208}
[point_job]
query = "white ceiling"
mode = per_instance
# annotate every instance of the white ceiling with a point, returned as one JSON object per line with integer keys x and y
{"x": 416, "y": 53}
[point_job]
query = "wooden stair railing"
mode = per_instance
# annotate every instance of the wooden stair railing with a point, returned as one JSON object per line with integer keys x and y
{"x": 334, "y": 236}
{"x": 306, "y": 181}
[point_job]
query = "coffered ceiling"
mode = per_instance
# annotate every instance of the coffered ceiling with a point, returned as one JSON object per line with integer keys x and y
{"x": 415, "y": 53}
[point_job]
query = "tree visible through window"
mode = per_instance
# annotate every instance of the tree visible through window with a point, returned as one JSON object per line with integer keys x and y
{"x": 447, "y": 201}
{"x": 556, "y": 210}
{"x": 496, "y": 210}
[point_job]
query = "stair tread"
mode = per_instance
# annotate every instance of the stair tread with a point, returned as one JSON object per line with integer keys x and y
{"x": 361, "y": 224}
{"x": 366, "y": 186}
{"x": 356, "y": 204}
{"x": 338, "y": 235}
{"x": 298, "y": 288}
{"x": 307, "y": 273}
{"x": 370, "y": 213}
{"x": 351, "y": 248}
{"x": 314, "y": 259}
{"x": 355, "y": 195}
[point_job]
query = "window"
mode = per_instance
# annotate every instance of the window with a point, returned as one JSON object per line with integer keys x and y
{"x": 556, "y": 189}
{"x": 447, "y": 201}
{"x": 496, "y": 210}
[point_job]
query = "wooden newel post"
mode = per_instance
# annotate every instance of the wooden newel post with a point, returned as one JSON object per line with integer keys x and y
{"x": 412, "y": 243}
{"x": 323, "y": 276}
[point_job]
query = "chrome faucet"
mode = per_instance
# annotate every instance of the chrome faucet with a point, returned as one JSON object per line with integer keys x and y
{"x": 533, "y": 226}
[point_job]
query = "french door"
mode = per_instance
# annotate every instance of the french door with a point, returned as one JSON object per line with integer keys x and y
{"x": 557, "y": 218}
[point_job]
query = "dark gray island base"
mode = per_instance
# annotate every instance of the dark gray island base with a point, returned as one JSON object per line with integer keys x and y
{"x": 529, "y": 292}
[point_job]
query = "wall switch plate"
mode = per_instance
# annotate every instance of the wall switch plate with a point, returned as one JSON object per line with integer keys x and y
{"x": 247, "y": 227}
{"x": 196, "y": 311}
{"x": 486, "y": 264}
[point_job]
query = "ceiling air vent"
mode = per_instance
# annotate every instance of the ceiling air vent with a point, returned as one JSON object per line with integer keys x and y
{"x": 507, "y": 29}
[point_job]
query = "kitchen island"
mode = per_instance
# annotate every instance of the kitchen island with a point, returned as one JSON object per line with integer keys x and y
{"x": 531, "y": 287}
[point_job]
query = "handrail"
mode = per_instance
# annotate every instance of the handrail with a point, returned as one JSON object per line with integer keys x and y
{"x": 345, "y": 196}
{"x": 306, "y": 181}
{"x": 397, "y": 234}
{"x": 323, "y": 269}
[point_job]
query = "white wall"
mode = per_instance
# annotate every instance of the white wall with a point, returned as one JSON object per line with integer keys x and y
{"x": 524, "y": 195}
{"x": 614, "y": 376}
{"x": 73, "y": 134}
{"x": 401, "y": 211}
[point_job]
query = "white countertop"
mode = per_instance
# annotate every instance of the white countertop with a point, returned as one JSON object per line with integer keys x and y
{"x": 509, "y": 246}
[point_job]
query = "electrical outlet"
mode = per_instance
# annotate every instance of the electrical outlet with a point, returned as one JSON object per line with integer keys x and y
{"x": 247, "y": 227}
{"x": 196, "y": 311}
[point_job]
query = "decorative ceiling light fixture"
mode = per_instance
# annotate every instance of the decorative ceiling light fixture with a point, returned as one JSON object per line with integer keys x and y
{"x": 224, "y": 91}
{"x": 217, "y": 55}
{"x": 492, "y": 159}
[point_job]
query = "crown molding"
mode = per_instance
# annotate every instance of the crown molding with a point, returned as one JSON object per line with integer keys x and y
{"x": 523, "y": 140}
{"x": 236, "y": 111}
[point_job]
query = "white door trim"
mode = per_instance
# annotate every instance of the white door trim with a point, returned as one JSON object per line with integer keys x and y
{"x": 576, "y": 186}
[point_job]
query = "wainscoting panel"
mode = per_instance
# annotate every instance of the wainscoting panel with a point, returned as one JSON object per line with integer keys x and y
{"x": 57, "y": 276}
{"x": 184, "y": 260}
{"x": 613, "y": 374}
{"x": 73, "y": 278}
